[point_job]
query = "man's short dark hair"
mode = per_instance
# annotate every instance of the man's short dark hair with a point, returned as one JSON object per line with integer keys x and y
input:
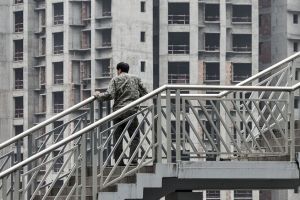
{"x": 124, "y": 67}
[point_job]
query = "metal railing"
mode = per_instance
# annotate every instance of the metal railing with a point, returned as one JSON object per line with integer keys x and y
{"x": 242, "y": 48}
{"x": 179, "y": 19}
{"x": 58, "y": 19}
{"x": 19, "y": 27}
{"x": 58, "y": 79}
{"x": 212, "y": 48}
{"x": 19, "y": 84}
{"x": 241, "y": 19}
{"x": 178, "y": 49}
{"x": 212, "y": 18}
{"x": 58, "y": 49}
{"x": 212, "y": 77}
{"x": 264, "y": 100}
{"x": 19, "y": 112}
{"x": 178, "y": 78}
{"x": 18, "y": 56}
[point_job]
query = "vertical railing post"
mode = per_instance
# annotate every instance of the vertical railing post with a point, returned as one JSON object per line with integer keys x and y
{"x": 101, "y": 150}
{"x": 292, "y": 127}
{"x": 16, "y": 178}
{"x": 94, "y": 152}
{"x": 4, "y": 188}
{"x": 158, "y": 132}
{"x": 83, "y": 154}
{"x": 178, "y": 132}
{"x": 168, "y": 127}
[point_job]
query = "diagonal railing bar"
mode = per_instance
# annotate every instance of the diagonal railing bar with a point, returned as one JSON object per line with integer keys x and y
{"x": 267, "y": 124}
{"x": 214, "y": 126}
{"x": 57, "y": 177}
{"x": 235, "y": 125}
{"x": 65, "y": 184}
{"x": 124, "y": 150}
{"x": 256, "y": 122}
{"x": 225, "y": 126}
{"x": 245, "y": 124}
{"x": 204, "y": 129}
{"x": 196, "y": 133}
{"x": 275, "y": 120}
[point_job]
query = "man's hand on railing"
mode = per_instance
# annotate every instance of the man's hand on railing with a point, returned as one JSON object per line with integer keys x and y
{"x": 97, "y": 94}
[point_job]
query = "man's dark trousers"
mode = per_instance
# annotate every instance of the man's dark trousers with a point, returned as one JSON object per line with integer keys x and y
{"x": 131, "y": 130}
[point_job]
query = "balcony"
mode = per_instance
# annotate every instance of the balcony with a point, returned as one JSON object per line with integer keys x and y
{"x": 241, "y": 13}
{"x": 212, "y": 13}
{"x": 178, "y": 13}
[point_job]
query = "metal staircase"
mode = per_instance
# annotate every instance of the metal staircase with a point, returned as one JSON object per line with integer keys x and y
{"x": 222, "y": 136}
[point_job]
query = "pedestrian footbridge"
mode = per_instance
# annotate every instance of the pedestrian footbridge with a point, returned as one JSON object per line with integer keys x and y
{"x": 192, "y": 137}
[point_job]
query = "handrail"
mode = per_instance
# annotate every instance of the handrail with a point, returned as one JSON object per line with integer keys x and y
{"x": 122, "y": 110}
{"x": 46, "y": 122}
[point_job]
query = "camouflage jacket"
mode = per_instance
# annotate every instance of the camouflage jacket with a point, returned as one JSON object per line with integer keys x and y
{"x": 123, "y": 89}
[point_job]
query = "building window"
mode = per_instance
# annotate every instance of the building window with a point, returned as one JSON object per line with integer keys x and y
{"x": 296, "y": 103}
{"x": 59, "y": 162}
{"x": 295, "y": 46}
{"x": 58, "y": 13}
{"x": 106, "y": 38}
{"x": 19, "y": 107}
{"x": 19, "y": 129}
{"x": 18, "y": 48}
{"x": 295, "y": 18}
{"x": 58, "y": 43}
{"x": 58, "y": 73}
{"x": 212, "y": 12}
{"x": 178, "y": 13}
{"x": 178, "y": 73}
{"x": 143, "y": 36}
{"x": 143, "y": 6}
{"x": 19, "y": 78}
{"x": 58, "y": 102}
{"x": 242, "y": 42}
{"x": 18, "y": 1}
{"x": 179, "y": 43}
{"x": 297, "y": 74}
{"x": 212, "y": 72}
{"x": 106, "y": 9}
{"x": 18, "y": 21}
{"x": 241, "y": 71}
{"x": 212, "y": 41}
{"x": 143, "y": 65}
{"x": 241, "y": 13}
{"x": 260, "y": 48}
{"x": 58, "y": 131}
{"x": 86, "y": 40}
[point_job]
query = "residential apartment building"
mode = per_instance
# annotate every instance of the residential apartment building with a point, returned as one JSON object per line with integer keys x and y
{"x": 58, "y": 52}
{"x": 279, "y": 37}
{"x": 208, "y": 42}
